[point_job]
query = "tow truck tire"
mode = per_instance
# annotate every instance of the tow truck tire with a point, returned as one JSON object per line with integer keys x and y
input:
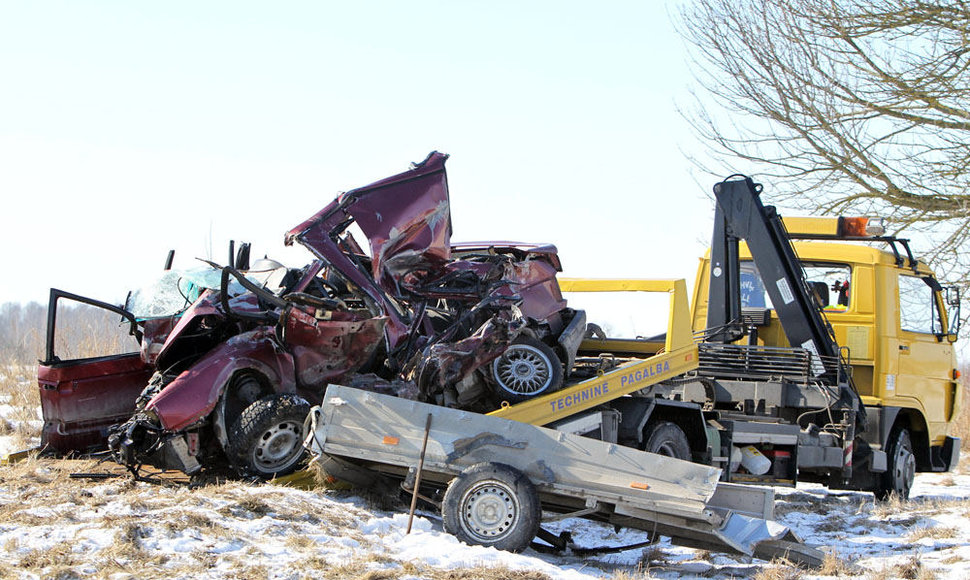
{"x": 492, "y": 504}
{"x": 901, "y": 468}
{"x": 667, "y": 439}
{"x": 267, "y": 439}
{"x": 528, "y": 368}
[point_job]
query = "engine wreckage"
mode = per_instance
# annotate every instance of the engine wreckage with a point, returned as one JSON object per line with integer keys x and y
{"x": 225, "y": 377}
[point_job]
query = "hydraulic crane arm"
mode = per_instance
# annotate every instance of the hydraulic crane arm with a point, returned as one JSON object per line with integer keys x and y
{"x": 740, "y": 215}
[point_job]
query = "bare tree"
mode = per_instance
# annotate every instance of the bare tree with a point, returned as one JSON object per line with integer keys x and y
{"x": 843, "y": 106}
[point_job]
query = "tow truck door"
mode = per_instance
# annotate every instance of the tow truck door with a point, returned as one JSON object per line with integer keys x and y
{"x": 91, "y": 374}
{"x": 924, "y": 360}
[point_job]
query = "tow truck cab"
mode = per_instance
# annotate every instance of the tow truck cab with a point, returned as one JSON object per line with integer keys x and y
{"x": 888, "y": 313}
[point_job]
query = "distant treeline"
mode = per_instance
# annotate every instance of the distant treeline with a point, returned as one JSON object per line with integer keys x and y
{"x": 23, "y": 328}
{"x": 82, "y": 331}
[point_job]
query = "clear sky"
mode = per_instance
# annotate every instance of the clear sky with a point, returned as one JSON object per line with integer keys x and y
{"x": 129, "y": 128}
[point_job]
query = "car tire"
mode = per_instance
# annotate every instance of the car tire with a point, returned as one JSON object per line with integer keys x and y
{"x": 528, "y": 368}
{"x": 266, "y": 441}
{"x": 492, "y": 504}
{"x": 667, "y": 439}
{"x": 900, "y": 469}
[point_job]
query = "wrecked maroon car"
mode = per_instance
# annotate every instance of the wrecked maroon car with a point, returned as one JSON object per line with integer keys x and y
{"x": 452, "y": 309}
{"x": 228, "y": 380}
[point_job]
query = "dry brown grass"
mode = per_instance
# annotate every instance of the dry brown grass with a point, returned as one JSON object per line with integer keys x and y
{"x": 908, "y": 512}
{"x": 627, "y": 575}
{"x": 341, "y": 569}
{"x": 40, "y": 561}
{"x": 779, "y": 570}
{"x": 476, "y": 573}
{"x": 932, "y": 532}
{"x": 911, "y": 569}
{"x": 18, "y": 388}
{"x": 834, "y": 565}
{"x": 362, "y": 568}
{"x": 891, "y": 507}
{"x": 653, "y": 556}
{"x": 803, "y": 502}
{"x": 953, "y": 559}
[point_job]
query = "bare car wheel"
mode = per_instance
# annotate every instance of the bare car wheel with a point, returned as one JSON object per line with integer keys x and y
{"x": 267, "y": 439}
{"x": 528, "y": 368}
{"x": 492, "y": 504}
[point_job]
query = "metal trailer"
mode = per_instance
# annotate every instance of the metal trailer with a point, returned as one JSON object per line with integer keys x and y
{"x": 502, "y": 478}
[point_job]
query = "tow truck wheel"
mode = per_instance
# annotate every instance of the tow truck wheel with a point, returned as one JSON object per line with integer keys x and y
{"x": 492, "y": 504}
{"x": 528, "y": 368}
{"x": 267, "y": 439}
{"x": 667, "y": 439}
{"x": 901, "y": 468}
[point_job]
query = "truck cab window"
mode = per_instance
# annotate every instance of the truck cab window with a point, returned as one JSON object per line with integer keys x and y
{"x": 917, "y": 306}
{"x": 828, "y": 282}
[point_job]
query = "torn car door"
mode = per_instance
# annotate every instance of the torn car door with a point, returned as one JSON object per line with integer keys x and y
{"x": 91, "y": 374}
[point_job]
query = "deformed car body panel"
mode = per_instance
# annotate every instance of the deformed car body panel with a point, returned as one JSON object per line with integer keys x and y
{"x": 194, "y": 393}
{"x": 408, "y": 223}
{"x": 532, "y": 276}
{"x": 326, "y": 350}
{"x": 406, "y": 219}
{"x": 81, "y": 399}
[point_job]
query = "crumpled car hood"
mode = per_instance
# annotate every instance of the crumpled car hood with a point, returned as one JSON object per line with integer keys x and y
{"x": 406, "y": 218}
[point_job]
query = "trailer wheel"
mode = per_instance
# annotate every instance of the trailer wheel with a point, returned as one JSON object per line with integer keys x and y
{"x": 901, "y": 468}
{"x": 267, "y": 439}
{"x": 667, "y": 439}
{"x": 492, "y": 504}
{"x": 528, "y": 368}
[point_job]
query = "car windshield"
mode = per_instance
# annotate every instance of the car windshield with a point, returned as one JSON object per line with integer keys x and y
{"x": 174, "y": 290}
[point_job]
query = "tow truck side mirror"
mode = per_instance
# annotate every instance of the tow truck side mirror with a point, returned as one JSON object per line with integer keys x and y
{"x": 953, "y": 301}
{"x": 952, "y": 295}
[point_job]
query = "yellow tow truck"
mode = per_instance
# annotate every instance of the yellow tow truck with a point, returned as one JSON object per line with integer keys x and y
{"x": 823, "y": 359}
{"x": 827, "y": 360}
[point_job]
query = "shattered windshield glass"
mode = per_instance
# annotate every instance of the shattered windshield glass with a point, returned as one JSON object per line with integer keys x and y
{"x": 174, "y": 290}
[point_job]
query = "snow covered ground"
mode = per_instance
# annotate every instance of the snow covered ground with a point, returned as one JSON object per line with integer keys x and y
{"x": 54, "y": 526}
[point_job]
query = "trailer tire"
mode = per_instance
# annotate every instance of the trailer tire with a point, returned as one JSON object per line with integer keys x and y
{"x": 528, "y": 368}
{"x": 667, "y": 439}
{"x": 267, "y": 439}
{"x": 901, "y": 468}
{"x": 492, "y": 504}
